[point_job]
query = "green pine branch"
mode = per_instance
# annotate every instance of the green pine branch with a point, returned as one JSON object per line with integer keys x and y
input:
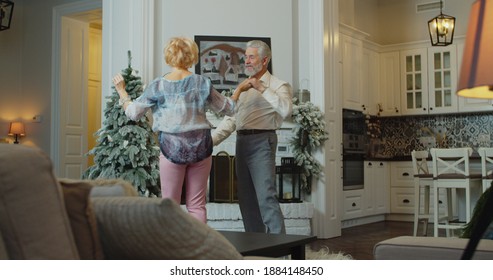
{"x": 125, "y": 148}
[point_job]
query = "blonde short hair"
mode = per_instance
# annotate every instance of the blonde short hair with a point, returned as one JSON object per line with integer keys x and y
{"x": 181, "y": 52}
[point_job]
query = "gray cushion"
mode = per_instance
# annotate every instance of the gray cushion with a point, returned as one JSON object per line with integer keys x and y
{"x": 155, "y": 228}
{"x": 429, "y": 248}
{"x": 33, "y": 220}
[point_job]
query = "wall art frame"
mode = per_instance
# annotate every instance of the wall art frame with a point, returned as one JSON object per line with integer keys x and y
{"x": 221, "y": 59}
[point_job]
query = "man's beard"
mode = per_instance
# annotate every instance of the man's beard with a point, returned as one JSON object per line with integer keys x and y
{"x": 253, "y": 70}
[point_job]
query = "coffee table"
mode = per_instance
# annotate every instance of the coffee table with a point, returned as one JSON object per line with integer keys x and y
{"x": 269, "y": 245}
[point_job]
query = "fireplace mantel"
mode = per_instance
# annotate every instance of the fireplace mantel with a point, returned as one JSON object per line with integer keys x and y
{"x": 227, "y": 216}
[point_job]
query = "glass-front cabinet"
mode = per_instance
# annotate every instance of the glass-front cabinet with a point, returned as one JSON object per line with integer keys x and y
{"x": 442, "y": 65}
{"x": 428, "y": 80}
{"x": 414, "y": 82}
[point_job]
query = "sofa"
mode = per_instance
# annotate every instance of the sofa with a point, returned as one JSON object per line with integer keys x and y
{"x": 47, "y": 218}
{"x": 429, "y": 248}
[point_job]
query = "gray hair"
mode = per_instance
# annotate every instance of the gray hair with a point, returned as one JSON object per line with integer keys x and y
{"x": 263, "y": 48}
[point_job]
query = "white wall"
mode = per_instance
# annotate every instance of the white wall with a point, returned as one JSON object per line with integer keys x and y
{"x": 255, "y": 18}
{"x": 11, "y": 99}
{"x": 25, "y": 72}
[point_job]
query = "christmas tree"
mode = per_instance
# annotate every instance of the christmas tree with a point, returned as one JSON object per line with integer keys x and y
{"x": 126, "y": 149}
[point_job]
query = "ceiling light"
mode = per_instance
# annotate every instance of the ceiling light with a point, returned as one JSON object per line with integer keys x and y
{"x": 441, "y": 29}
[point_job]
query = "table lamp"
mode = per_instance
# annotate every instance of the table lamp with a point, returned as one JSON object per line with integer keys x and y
{"x": 17, "y": 129}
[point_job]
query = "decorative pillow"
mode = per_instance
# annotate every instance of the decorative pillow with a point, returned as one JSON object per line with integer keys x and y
{"x": 155, "y": 228}
{"x": 112, "y": 187}
{"x": 82, "y": 219}
{"x": 33, "y": 219}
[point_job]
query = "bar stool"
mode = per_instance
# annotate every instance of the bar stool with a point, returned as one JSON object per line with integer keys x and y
{"x": 423, "y": 180}
{"x": 451, "y": 172}
{"x": 486, "y": 166}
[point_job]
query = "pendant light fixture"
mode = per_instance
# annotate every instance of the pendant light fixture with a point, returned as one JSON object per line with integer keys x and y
{"x": 6, "y": 9}
{"x": 441, "y": 29}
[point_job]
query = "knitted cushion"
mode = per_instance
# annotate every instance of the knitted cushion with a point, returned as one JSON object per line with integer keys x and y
{"x": 155, "y": 228}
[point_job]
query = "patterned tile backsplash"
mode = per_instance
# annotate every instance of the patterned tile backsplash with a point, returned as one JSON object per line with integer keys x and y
{"x": 403, "y": 134}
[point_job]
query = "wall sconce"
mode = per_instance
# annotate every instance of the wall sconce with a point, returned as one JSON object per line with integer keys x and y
{"x": 476, "y": 80}
{"x": 6, "y": 10}
{"x": 17, "y": 129}
{"x": 441, "y": 29}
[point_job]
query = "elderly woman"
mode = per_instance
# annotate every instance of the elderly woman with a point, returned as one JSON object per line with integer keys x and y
{"x": 179, "y": 101}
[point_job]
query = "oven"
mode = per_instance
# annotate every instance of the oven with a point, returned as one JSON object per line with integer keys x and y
{"x": 353, "y": 149}
{"x": 353, "y": 171}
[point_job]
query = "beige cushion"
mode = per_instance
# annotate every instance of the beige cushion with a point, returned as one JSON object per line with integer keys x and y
{"x": 429, "y": 248}
{"x": 153, "y": 228}
{"x": 106, "y": 187}
{"x": 33, "y": 220}
{"x": 112, "y": 187}
{"x": 82, "y": 219}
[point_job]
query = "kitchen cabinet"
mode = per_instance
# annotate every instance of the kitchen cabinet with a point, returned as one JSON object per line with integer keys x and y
{"x": 370, "y": 81}
{"x": 402, "y": 198}
{"x": 373, "y": 199}
{"x": 353, "y": 204}
{"x": 442, "y": 86}
{"x": 414, "y": 92}
{"x": 377, "y": 183}
{"x": 429, "y": 80}
{"x": 359, "y": 70}
{"x": 389, "y": 99}
{"x": 351, "y": 57}
{"x": 401, "y": 188}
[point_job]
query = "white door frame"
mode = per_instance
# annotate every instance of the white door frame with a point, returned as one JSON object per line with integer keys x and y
{"x": 58, "y": 13}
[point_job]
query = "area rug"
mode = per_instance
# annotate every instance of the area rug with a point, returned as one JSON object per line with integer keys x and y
{"x": 325, "y": 254}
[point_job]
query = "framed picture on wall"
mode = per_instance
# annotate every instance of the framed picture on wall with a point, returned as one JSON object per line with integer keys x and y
{"x": 222, "y": 58}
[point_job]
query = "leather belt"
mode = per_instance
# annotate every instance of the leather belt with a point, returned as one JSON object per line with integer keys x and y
{"x": 253, "y": 131}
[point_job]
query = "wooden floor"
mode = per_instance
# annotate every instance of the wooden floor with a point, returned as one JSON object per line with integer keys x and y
{"x": 358, "y": 241}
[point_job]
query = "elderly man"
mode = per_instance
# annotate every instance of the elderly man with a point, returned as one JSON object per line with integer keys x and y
{"x": 263, "y": 105}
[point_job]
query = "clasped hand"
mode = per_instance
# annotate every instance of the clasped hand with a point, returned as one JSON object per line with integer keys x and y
{"x": 251, "y": 83}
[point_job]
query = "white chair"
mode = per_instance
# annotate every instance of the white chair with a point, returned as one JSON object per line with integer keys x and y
{"x": 451, "y": 172}
{"x": 423, "y": 180}
{"x": 486, "y": 166}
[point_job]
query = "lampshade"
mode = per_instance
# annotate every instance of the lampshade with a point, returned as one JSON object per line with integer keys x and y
{"x": 476, "y": 75}
{"x": 6, "y": 10}
{"x": 17, "y": 129}
{"x": 441, "y": 29}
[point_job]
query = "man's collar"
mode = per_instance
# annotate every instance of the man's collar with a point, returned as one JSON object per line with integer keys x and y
{"x": 266, "y": 78}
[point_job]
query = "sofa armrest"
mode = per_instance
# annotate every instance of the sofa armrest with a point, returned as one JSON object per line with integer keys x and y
{"x": 429, "y": 248}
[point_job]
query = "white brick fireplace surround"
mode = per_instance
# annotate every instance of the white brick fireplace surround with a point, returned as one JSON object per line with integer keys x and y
{"x": 227, "y": 216}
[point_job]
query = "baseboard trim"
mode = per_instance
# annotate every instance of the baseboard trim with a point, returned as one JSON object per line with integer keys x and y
{"x": 362, "y": 221}
{"x": 400, "y": 217}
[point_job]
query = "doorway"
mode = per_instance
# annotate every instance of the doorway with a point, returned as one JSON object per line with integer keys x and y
{"x": 76, "y": 99}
